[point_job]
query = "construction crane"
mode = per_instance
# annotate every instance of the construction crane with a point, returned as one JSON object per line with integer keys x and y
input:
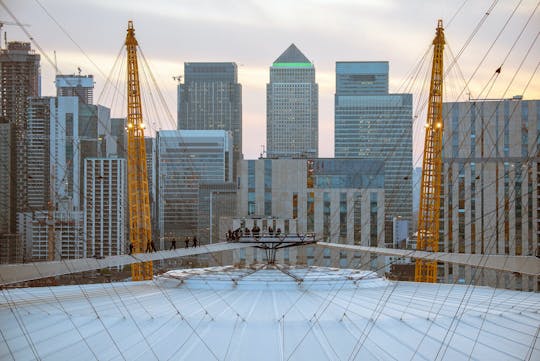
{"x": 430, "y": 188}
{"x": 2, "y": 23}
{"x": 140, "y": 231}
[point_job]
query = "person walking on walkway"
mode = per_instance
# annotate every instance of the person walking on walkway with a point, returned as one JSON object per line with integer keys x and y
{"x": 194, "y": 241}
{"x": 173, "y": 244}
{"x": 186, "y": 241}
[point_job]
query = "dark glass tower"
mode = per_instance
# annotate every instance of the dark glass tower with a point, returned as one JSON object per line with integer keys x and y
{"x": 211, "y": 99}
{"x": 371, "y": 123}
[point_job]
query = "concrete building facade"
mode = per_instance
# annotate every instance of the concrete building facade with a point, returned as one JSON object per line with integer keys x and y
{"x": 340, "y": 200}
{"x": 80, "y": 86}
{"x": 491, "y": 171}
{"x": 105, "y": 206}
{"x": 19, "y": 80}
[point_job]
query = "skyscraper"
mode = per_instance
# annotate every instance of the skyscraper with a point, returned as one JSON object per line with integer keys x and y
{"x": 211, "y": 99}
{"x": 39, "y": 152}
{"x": 79, "y": 131}
{"x": 19, "y": 79}
{"x": 372, "y": 123}
{"x": 292, "y": 107}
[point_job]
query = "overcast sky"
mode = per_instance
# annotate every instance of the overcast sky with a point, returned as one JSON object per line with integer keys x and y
{"x": 254, "y": 33}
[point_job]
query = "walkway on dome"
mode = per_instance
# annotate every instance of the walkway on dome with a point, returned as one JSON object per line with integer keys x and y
{"x": 527, "y": 265}
{"x": 14, "y": 273}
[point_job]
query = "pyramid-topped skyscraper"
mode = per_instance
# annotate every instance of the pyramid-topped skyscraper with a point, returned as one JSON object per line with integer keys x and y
{"x": 292, "y": 107}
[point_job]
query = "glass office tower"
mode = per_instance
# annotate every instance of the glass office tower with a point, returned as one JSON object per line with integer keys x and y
{"x": 211, "y": 99}
{"x": 292, "y": 107}
{"x": 372, "y": 123}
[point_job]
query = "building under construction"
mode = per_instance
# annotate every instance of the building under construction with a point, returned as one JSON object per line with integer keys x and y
{"x": 19, "y": 79}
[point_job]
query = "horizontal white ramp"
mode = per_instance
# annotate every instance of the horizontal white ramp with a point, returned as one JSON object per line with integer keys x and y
{"x": 14, "y": 273}
{"x": 527, "y": 265}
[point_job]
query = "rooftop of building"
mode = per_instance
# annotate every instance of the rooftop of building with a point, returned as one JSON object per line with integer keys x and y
{"x": 269, "y": 313}
{"x": 292, "y": 55}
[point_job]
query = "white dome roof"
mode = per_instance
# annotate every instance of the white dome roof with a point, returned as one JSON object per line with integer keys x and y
{"x": 226, "y": 313}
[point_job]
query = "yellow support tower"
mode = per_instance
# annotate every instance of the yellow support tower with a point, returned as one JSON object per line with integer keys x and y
{"x": 430, "y": 189}
{"x": 140, "y": 231}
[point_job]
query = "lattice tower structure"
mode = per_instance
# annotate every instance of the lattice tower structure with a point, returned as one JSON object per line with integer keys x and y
{"x": 430, "y": 187}
{"x": 140, "y": 230}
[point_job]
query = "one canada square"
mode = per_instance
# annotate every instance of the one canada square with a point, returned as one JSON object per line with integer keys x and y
{"x": 292, "y": 101}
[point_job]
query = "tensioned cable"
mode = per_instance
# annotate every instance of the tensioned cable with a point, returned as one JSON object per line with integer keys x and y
{"x": 515, "y": 107}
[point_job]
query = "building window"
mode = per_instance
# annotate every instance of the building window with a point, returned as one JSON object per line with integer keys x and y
{"x": 357, "y": 218}
{"x": 310, "y": 211}
{"x": 295, "y": 205}
{"x": 373, "y": 233}
{"x": 268, "y": 187}
{"x": 251, "y": 187}
{"x": 343, "y": 215}
{"x": 326, "y": 215}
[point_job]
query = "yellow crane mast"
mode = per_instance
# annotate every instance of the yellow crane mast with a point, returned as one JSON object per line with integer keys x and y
{"x": 430, "y": 188}
{"x": 140, "y": 231}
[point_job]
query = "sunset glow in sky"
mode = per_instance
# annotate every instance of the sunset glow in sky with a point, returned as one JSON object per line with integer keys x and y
{"x": 254, "y": 33}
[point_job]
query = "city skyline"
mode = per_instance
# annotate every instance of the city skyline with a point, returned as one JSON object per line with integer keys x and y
{"x": 258, "y": 31}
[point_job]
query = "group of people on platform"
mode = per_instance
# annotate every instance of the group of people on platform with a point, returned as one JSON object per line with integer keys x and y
{"x": 255, "y": 231}
{"x": 151, "y": 247}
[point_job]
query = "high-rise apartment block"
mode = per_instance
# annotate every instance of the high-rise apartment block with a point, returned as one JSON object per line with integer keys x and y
{"x": 19, "y": 80}
{"x": 372, "y": 123}
{"x": 490, "y": 178}
{"x": 79, "y": 131}
{"x": 105, "y": 205}
{"x": 211, "y": 99}
{"x": 80, "y": 86}
{"x": 39, "y": 158}
{"x": 185, "y": 159}
{"x": 292, "y": 107}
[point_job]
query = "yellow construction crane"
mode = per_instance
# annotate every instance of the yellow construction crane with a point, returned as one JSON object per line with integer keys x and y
{"x": 140, "y": 231}
{"x": 430, "y": 188}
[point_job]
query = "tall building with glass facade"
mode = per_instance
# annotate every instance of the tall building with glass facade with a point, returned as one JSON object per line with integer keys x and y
{"x": 292, "y": 107}
{"x": 185, "y": 159}
{"x": 211, "y": 99}
{"x": 372, "y": 123}
{"x": 490, "y": 177}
